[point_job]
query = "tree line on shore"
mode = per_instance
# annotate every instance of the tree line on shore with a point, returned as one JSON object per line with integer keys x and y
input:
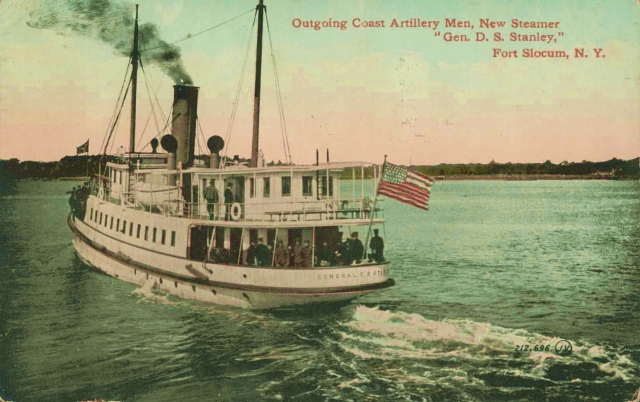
{"x": 86, "y": 165}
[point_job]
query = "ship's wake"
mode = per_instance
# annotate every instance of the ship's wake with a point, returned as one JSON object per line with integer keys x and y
{"x": 409, "y": 357}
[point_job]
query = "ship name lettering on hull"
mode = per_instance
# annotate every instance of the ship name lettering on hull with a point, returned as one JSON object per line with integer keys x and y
{"x": 361, "y": 274}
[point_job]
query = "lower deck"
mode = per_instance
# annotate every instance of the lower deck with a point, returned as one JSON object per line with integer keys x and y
{"x": 245, "y": 286}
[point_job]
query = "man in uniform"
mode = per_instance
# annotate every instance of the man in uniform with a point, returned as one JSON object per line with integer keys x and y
{"x": 228, "y": 200}
{"x": 298, "y": 260}
{"x": 377, "y": 247}
{"x": 282, "y": 257}
{"x": 262, "y": 254}
{"x": 343, "y": 254}
{"x": 211, "y": 195}
{"x": 251, "y": 253}
{"x": 306, "y": 255}
{"x": 356, "y": 248}
{"x": 325, "y": 256}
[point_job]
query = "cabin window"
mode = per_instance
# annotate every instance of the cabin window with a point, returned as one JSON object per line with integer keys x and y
{"x": 164, "y": 235}
{"x": 307, "y": 183}
{"x": 146, "y": 233}
{"x": 267, "y": 187}
{"x": 113, "y": 176}
{"x": 111, "y": 224}
{"x": 91, "y": 218}
{"x": 138, "y": 231}
{"x": 130, "y": 228}
{"x": 120, "y": 177}
{"x": 173, "y": 238}
{"x": 106, "y": 220}
{"x": 323, "y": 191}
{"x": 118, "y": 225}
{"x": 252, "y": 188}
{"x": 101, "y": 218}
{"x": 155, "y": 231}
{"x": 286, "y": 186}
{"x": 124, "y": 226}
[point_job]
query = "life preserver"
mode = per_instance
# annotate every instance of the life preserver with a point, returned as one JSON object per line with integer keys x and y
{"x": 236, "y": 211}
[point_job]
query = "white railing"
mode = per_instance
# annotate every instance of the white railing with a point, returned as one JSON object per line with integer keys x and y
{"x": 344, "y": 209}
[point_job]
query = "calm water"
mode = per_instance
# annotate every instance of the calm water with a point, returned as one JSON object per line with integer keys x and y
{"x": 492, "y": 266}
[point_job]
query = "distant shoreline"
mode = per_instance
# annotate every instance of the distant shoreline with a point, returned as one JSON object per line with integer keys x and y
{"x": 532, "y": 177}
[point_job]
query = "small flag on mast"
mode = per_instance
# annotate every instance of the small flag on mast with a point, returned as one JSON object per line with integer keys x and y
{"x": 409, "y": 187}
{"x": 84, "y": 148}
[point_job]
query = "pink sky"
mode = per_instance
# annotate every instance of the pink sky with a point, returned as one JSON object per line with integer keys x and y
{"x": 363, "y": 94}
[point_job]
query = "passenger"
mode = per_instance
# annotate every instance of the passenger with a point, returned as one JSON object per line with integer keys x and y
{"x": 269, "y": 256}
{"x": 356, "y": 248}
{"x": 228, "y": 200}
{"x": 225, "y": 256}
{"x": 377, "y": 247}
{"x": 325, "y": 257}
{"x": 262, "y": 254}
{"x": 344, "y": 252}
{"x": 251, "y": 254}
{"x": 306, "y": 255}
{"x": 298, "y": 259}
{"x": 282, "y": 256}
{"x": 214, "y": 255}
{"x": 212, "y": 197}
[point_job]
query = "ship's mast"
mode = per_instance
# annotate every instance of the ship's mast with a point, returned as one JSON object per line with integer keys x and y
{"x": 256, "y": 96}
{"x": 134, "y": 85}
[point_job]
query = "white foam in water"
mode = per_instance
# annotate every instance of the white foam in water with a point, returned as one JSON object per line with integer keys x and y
{"x": 148, "y": 294}
{"x": 385, "y": 335}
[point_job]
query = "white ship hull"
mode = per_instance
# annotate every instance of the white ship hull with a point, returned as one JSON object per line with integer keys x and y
{"x": 254, "y": 288}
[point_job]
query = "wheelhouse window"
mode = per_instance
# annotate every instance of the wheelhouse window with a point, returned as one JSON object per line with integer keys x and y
{"x": 286, "y": 186}
{"x": 267, "y": 187}
{"x": 323, "y": 190}
{"x": 252, "y": 188}
{"x": 307, "y": 183}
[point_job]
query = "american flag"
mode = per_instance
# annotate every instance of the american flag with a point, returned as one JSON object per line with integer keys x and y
{"x": 409, "y": 187}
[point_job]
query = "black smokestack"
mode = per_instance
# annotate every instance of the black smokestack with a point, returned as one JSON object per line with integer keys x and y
{"x": 112, "y": 23}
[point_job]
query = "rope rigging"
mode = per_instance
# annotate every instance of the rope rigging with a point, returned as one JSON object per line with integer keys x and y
{"x": 201, "y": 32}
{"x": 108, "y": 141}
{"x": 227, "y": 137}
{"x": 115, "y": 110}
{"x": 283, "y": 124}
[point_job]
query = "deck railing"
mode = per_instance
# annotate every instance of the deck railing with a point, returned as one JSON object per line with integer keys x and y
{"x": 344, "y": 209}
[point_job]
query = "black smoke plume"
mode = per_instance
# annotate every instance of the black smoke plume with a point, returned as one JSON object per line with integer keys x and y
{"x": 111, "y": 22}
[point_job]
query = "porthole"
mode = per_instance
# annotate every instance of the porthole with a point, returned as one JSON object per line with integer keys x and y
{"x": 213, "y": 291}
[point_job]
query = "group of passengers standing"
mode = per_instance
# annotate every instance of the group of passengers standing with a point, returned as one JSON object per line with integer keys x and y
{"x": 301, "y": 255}
{"x": 211, "y": 195}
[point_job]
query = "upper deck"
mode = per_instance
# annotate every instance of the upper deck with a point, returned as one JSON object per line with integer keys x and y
{"x": 314, "y": 195}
